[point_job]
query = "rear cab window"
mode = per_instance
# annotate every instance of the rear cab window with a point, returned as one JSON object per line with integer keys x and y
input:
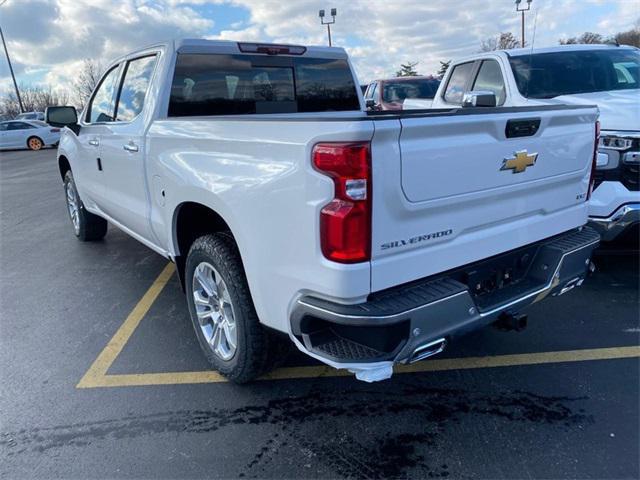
{"x": 458, "y": 80}
{"x": 236, "y": 84}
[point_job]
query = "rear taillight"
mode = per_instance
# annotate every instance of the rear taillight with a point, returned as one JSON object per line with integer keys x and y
{"x": 592, "y": 178}
{"x": 345, "y": 222}
{"x": 54, "y": 130}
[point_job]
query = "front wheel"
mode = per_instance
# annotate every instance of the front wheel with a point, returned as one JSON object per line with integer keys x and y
{"x": 86, "y": 225}
{"x": 222, "y": 312}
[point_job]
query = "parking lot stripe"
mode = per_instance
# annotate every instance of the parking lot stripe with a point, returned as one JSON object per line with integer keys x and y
{"x": 290, "y": 373}
{"x": 97, "y": 375}
{"x": 108, "y": 355}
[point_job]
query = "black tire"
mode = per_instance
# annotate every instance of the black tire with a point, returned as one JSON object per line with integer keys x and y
{"x": 90, "y": 227}
{"x": 35, "y": 143}
{"x": 255, "y": 343}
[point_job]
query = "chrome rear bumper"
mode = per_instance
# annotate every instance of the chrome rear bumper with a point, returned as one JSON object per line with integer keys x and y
{"x": 612, "y": 226}
{"x": 414, "y": 321}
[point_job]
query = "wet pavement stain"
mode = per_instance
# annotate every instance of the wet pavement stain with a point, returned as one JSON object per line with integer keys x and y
{"x": 421, "y": 414}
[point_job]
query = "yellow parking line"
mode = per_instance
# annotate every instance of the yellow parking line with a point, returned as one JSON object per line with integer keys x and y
{"x": 97, "y": 375}
{"x": 106, "y": 358}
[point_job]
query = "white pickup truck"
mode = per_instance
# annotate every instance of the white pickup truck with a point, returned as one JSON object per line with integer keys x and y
{"x": 368, "y": 238}
{"x": 604, "y": 75}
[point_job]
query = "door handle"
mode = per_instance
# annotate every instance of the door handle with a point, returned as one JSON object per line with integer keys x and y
{"x": 130, "y": 147}
{"x": 94, "y": 142}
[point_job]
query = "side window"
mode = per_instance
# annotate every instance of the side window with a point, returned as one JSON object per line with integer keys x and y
{"x": 19, "y": 126}
{"x": 457, "y": 82}
{"x": 134, "y": 88}
{"x": 3, "y": 126}
{"x": 102, "y": 104}
{"x": 375, "y": 94}
{"x": 369, "y": 92}
{"x": 490, "y": 78}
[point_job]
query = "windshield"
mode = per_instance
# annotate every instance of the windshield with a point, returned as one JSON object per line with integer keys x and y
{"x": 399, "y": 91}
{"x": 548, "y": 75}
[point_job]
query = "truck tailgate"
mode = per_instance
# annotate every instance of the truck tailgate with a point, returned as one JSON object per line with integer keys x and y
{"x": 464, "y": 188}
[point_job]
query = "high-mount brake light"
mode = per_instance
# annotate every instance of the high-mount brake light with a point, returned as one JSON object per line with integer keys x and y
{"x": 594, "y": 162}
{"x": 345, "y": 222}
{"x": 271, "y": 49}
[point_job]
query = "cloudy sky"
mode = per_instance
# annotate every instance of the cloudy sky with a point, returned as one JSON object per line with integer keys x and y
{"x": 48, "y": 39}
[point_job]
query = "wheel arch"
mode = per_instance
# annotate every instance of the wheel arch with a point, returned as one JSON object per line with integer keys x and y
{"x": 190, "y": 221}
{"x": 63, "y": 165}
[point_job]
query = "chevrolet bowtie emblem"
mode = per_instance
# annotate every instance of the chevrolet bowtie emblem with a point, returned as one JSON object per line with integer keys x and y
{"x": 519, "y": 162}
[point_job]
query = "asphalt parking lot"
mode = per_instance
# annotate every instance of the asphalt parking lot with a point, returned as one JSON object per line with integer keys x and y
{"x": 102, "y": 376}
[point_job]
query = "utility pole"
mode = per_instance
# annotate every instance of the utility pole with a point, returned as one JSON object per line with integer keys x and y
{"x": 522, "y": 9}
{"x": 334, "y": 12}
{"x": 11, "y": 70}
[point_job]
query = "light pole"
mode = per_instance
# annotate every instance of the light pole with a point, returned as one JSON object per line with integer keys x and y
{"x": 521, "y": 8}
{"x": 328, "y": 23}
{"x": 6, "y": 52}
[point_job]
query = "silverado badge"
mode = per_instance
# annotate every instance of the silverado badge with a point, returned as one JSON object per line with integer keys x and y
{"x": 519, "y": 162}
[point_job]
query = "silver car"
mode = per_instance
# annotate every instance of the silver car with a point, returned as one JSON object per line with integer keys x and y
{"x": 31, "y": 134}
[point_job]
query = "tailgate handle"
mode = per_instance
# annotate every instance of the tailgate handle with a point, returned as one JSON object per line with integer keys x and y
{"x": 525, "y": 127}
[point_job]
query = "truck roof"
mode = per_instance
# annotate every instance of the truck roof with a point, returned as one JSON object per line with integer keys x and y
{"x": 516, "y": 52}
{"x": 519, "y": 52}
{"x": 202, "y": 45}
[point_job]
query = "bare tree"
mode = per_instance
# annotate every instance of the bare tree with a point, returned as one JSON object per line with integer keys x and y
{"x": 35, "y": 98}
{"x": 505, "y": 41}
{"x": 86, "y": 81}
{"x": 585, "y": 38}
{"x": 630, "y": 37}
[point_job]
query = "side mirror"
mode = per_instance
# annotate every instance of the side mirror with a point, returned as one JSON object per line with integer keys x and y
{"x": 370, "y": 104}
{"x": 479, "y": 98}
{"x": 62, "y": 117}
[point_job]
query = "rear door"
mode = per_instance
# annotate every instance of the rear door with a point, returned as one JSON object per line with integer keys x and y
{"x": 470, "y": 185}
{"x": 122, "y": 150}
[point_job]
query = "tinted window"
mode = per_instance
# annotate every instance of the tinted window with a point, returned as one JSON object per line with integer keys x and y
{"x": 457, "y": 82}
{"x": 102, "y": 105}
{"x": 399, "y": 91}
{"x": 208, "y": 84}
{"x": 548, "y": 75}
{"x": 19, "y": 126}
{"x": 490, "y": 78}
{"x": 324, "y": 85}
{"x": 134, "y": 88}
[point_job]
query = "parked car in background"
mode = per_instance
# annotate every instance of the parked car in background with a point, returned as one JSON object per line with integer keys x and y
{"x": 30, "y": 116}
{"x": 392, "y": 93}
{"x": 604, "y": 75}
{"x": 31, "y": 134}
{"x": 369, "y": 238}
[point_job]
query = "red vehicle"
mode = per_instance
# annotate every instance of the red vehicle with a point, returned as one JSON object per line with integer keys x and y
{"x": 390, "y": 94}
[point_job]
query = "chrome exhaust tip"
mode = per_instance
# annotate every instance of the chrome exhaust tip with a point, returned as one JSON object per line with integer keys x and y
{"x": 428, "y": 350}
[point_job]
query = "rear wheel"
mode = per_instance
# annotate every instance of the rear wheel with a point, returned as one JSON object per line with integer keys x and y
{"x": 34, "y": 143}
{"x": 86, "y": 225}
{"x": 222, "y": 312}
